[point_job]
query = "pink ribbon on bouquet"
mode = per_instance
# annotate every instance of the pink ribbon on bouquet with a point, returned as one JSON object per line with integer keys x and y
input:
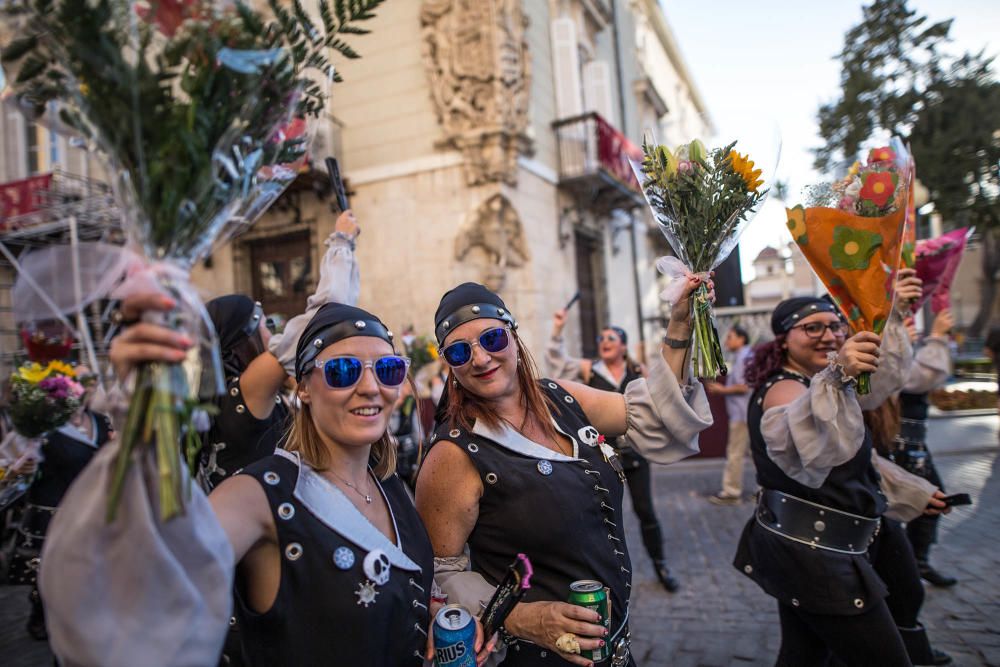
{"x": 676, "y": 274}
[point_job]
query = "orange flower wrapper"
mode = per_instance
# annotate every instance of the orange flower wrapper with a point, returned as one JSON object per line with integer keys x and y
{"x": 856, "y": 258}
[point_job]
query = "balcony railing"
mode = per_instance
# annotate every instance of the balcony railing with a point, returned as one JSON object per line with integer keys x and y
{"x": 594, "y": 161}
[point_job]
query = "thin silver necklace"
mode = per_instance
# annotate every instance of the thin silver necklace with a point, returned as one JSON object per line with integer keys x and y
{"x": 366, "y": 496}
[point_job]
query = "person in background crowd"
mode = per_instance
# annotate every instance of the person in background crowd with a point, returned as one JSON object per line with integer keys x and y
{"x": 252, "y": 415}
{"x": 520, "y": 465}
{"x": 332, "y": 564}
{"x": 65, "y": 452}
{"x": 930, "y": 369}
{"x": 737, "y": 395}
{"x": 991, "y": 349}
{"x": 815, "y": 534}
{"x": 404, "y": 424}
{"x": 612, "y": 371}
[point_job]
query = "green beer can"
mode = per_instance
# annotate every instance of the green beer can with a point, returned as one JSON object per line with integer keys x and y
{"x": 593, "y": 595}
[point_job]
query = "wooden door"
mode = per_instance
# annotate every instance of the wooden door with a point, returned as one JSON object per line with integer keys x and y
{"x": 281, "y": 271}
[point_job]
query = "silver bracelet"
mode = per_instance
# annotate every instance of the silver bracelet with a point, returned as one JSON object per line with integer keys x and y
{"x": 840, "y": 374}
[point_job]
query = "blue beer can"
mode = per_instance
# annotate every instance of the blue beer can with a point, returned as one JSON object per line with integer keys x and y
{"x": 454, "y": 637}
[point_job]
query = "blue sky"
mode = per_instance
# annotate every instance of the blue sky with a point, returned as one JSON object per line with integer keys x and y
{"x": 774, "y": 59}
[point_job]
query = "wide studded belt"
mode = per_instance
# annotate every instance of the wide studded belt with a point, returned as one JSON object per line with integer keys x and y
{"x": 815, "y": 525}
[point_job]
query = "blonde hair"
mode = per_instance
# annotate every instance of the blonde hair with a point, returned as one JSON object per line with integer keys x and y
{"x": 304, "y": 437}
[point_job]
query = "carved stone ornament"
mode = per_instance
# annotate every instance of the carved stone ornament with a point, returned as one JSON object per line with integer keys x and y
{"x": 477, "y": 62}
{"x": 495, "y": 228}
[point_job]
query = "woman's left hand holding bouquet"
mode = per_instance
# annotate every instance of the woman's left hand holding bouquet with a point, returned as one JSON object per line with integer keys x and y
{"x": 909, "y": 288}
{"x": 679, "y": 326}
{"x": 144, "y": 342}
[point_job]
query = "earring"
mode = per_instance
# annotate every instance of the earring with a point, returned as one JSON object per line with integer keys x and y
{"x": 454, "y": 383}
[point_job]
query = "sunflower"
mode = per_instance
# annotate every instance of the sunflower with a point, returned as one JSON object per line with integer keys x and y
{"x": 33, "y": 373}
{"x": 61, "y": 368}
{"x": 743, "y": 165}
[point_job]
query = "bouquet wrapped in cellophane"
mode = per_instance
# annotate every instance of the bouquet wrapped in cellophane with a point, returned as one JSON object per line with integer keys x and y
{"x": 702, "y": 199}
{"x": 201, "y": 110}
{"x": 851, "y": 232}
{"x": 937, "y": 263}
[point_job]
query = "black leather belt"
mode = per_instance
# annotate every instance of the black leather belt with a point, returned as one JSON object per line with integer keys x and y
{"x": 815, "y": 525}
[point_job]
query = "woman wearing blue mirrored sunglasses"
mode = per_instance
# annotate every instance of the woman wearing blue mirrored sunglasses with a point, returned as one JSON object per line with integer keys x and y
{"x": 519, "y": 464}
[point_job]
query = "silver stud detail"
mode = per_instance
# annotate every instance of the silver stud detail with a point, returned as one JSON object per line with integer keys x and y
{"x": 552, "y": 385}
{"x": 491, "y": 478}
{"x": 241, "y": 408}
{"x": 286, "y": 511}
{"x": 795, "y": 316}
{"x": 454, "y": 433}
{"x": 784, "y": 500}
{"x": 232, "y": 621}
{"x": 360, "y": 324}
{"x": 859, "y": 603}
{"x": 293, "y": 551}
{"x": 476, "y": 309}
{"x": 473, "y": 447}
{"x": 795, "y": 602}
{"x": 388, "y": 333}
{"x": 318, "y": 342}
{"x": 447, "y": 324}
{"x": 544, "y": 467}
{"x": 271, "y": 477}
{"x": 235, "y": 391}
{"x": 820, "y": 527}
{"x": 748, "y": 568}
{"x": 568, "y": 398}
{"x": 501, "y": 312}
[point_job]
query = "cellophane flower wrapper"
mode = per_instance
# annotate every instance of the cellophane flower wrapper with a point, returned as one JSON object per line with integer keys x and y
{"x": 908, "y": 257}
{"x": 202, "y": 111}
{"x": 851, "y": 232}
{"x": 937, "y": 263}
{"x": 702, "y": 200}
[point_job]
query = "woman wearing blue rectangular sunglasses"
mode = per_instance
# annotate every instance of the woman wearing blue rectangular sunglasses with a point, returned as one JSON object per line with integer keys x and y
{"x": 520, "y": 465}
{"x": 332, "y": 564}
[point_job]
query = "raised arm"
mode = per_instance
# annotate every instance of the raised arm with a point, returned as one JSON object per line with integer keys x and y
{"x": 560, "y": 365}
{"x": 931, "y": 365}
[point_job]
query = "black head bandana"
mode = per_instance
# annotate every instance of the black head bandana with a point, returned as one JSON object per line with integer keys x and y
{"x": 235, "y": 317}
{"x": 622, "y": 336}
{"x": 467, "y": 302}
{"x": 331, "y": 323}
{"x": 790, "y": 311}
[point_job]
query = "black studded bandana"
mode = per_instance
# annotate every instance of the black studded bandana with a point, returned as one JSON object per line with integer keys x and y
{"x": 331, "y": 323}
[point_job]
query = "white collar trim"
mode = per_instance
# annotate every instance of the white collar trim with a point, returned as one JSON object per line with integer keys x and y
{"x": 510, "y": 439}
{"x": 71, "y": 431}
{"x": 601, "y": 368}
{"x": 328, "y": 504}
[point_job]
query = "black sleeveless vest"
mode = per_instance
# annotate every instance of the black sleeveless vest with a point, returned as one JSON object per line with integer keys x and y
{"x": 564, "y": 513}
{"x": 817, "y": 580}
{"x": 347, "y": 595}
{"x": 600, "y": 382}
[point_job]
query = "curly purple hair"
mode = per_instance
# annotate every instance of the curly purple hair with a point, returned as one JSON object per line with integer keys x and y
{"x": 767, "y": 358}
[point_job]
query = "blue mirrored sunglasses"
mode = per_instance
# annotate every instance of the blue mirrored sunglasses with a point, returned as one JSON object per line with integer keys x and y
{"x": 345, "y": 372}
{"x": 459, "y": 353}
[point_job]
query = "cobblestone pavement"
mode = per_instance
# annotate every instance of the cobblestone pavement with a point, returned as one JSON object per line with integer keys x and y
{"x": 720, "y": 618}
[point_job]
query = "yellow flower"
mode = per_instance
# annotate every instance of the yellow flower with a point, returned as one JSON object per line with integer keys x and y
{"x": 432, "y": 350}
{"x": 61, "y": 368}
{"x": 855, "y": 168}
{"x": 743, "y": 165}
{"x": 33, "y": 373}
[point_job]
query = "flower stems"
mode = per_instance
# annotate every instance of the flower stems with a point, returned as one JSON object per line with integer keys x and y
{"x": 864, "y": 383}
{"x": 707, "y": 351}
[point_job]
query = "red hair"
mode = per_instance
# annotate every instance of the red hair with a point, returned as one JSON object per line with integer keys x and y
{"x": 767, "y": 358}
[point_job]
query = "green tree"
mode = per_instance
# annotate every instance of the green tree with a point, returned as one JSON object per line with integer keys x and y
{"x": 896, "y": 80}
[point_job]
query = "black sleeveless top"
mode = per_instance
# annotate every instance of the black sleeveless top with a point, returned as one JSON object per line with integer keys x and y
{"x": 817, "y": 580}
{"x": 598, "y": 381}
{"x": 913, "y": 406}
{"x": 347, "y": 595}
{"x": 237, "y": 438}
{"x": 63, "y": 458}
{"x": 564, "y": 513}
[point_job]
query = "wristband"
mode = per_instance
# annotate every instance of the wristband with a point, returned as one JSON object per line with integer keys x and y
{"x": 677, "y": 343}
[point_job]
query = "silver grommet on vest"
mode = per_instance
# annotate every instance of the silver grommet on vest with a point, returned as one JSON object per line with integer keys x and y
{"x": 241, "y": 408}
{"x": 552, "y": 385}
{"x": 568, "y": 398}
{"x": 232, "y": 621}
{"x": 819, "y": 526}
{"x": 454, "y": 433}
{"x": 293, "y": 551}
{"x": 859, "y": 603}
{"x": 286, "y": 511}
{"x": 271, "y": 477}
{"x": 473, "y": 447}
{"x": 795, "y": 602}
{"x": 748, "y": 568}
{"x": 491, "y": 478}
{"x": 235, "y": 391}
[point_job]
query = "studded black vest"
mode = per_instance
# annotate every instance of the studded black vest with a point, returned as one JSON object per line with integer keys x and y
{"x": 338, "y": 602}
{"x": 564, "y": 513}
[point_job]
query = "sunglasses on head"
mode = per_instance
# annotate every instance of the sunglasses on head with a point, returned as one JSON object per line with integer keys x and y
{"x": 345, "y": 372}
{"x": 459, "y": 353}
{"x": 817, "y": 329}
